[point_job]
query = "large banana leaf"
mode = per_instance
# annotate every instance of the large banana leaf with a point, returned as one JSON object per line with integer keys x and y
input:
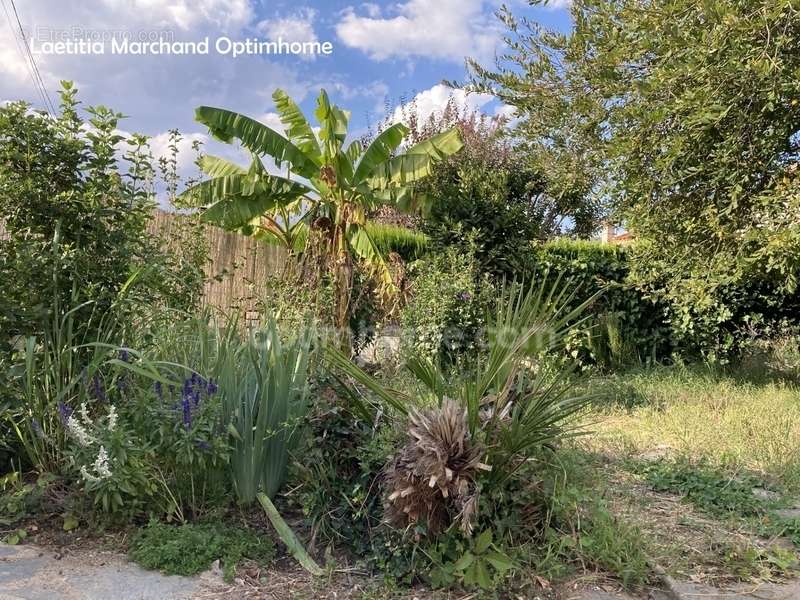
{"x": 256, "y": 137}
{"x": 353, "y": 151}
{"x": 214, "y": 166}
{"x": 270, "y": 193}
{"x": 241, "y": 185}
{"x": 363, "y": 246}
{"x": 235, "y": 212}
{"x": 401, "y": 170}
{"x": 219, "y": 189}
{"x": 298, "y": 130}
{"x": 333, "y": 124}
{"x": 417, "y": 163}
{"x": 380, "y": 150}
{"x": 441, "y": 145}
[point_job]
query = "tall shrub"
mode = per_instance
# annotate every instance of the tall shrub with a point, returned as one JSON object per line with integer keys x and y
{"x": 688, "y": 115}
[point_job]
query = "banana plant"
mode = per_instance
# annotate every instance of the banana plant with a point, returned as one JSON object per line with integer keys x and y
{"x": 328, "y": 190}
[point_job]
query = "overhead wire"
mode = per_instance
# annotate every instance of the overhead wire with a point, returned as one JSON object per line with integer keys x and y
{"x": 23, "y": 47}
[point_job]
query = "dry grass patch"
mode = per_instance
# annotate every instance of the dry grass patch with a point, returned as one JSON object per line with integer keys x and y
{"x": 730, "y": 423}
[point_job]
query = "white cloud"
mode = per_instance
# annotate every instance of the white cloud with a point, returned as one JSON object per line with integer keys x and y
{"x": 186, "y": 14}
{"x": 273, "y": 121}
{"x": 506, "y": 111}
{"x": 159, "y": 146}
{"x": 159, "y": 92}
{"x": 373, "y": 10}
{"x": 558, "y": 4}
{"x": 432, "y": 102}
{"x": 444, "y": 29}
{"x": 508, "y": 114}
{"x": 12, "y": 63}
{"x": 294, "y": 28}
{"x": 376, "y": 91}
{"x": 298, "y": 27}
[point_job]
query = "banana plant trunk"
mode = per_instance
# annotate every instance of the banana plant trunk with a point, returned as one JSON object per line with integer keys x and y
{"x": 343, "y": 284}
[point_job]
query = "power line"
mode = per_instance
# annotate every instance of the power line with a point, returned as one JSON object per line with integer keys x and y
{"x": 22, "y": 52}
{"x": 52, "y": 108}
{"x": 24, "y": 49}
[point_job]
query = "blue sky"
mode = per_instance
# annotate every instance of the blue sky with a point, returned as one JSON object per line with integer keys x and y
{"x": 382, "y": 51}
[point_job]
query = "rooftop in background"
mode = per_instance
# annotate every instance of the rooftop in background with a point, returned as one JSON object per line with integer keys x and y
{"x": 609, "y": 235}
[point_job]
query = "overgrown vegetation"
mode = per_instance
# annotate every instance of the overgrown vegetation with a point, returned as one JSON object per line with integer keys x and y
{"x": 545, "y": 405}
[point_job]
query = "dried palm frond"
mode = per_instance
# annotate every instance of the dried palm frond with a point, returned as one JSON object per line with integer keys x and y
{"x": 432, "y": 479}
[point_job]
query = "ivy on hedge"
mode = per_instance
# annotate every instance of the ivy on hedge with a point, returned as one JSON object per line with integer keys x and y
{"x": 626, "y": 325}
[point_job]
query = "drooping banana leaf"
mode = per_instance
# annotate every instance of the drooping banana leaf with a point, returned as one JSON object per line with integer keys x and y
{"x": 226, "y": 125}
{"x": 380, "y": 150}
{"x": 236, "y": 197}
{"x": 236, "y": 212}
{"x": 288, "y": 537}
{"x": 267, "y": 195}
{"x": 365, "y": 249}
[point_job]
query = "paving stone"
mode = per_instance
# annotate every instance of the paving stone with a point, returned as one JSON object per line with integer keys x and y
{"x": 764, "y": 494}
{"x": 789, "y": 513}
{"x": 29, "y": 573}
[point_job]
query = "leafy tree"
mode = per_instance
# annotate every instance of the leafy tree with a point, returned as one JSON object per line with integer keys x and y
{"x": 75, "y": 218}
{"x": 340, "y": 185}
{"x": 493, "y": 197}
{"x": 558, "y": 119}
{"x": 688, "y": 115}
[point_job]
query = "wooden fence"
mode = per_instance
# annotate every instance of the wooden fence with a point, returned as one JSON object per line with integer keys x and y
{"x": 238, "y": 267}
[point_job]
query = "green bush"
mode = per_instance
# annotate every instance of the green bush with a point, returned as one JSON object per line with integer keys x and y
{"x": 626, "y": 327}
{"x": 641, "y": 319}
{"x": 446, "y": 312}
{"x": 76, "y": 258}
{"x": 715, "y": 307}
{"x": 76, "y": 219}
{"x": 191, "y": 549}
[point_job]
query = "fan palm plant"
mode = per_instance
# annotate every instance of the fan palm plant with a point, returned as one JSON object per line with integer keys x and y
{"x": 329, "y": 188}
{"x": 508, "y": 408}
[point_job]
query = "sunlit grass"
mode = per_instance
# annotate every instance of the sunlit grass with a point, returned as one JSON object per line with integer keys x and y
{"x": 727, "y": 421}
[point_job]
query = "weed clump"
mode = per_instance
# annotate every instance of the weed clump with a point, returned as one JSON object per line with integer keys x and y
{"x": 191, "y": 548}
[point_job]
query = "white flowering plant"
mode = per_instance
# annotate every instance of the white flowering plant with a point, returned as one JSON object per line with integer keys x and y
{"x": 144, "y": 417}
{"x": 114, "y": 466}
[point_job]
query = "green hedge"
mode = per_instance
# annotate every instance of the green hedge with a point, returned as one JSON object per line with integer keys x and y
{"x": 627, "y": 326}
{"x": 409, "y": 244}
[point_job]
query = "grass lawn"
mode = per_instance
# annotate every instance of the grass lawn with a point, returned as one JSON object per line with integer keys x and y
{"x": 699, "y": 463}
